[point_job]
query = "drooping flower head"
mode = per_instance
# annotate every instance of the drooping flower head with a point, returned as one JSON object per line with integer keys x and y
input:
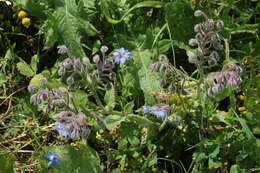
{"x": 52, "y": 159}
{"x": 121, "y": 56}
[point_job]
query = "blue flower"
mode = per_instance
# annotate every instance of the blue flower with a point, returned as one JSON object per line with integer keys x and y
{"x": 62, "y": 130}
{"x": 121, "y": 56}
{"x": 52, "y": 159}
{"x": 146, "y": 108}
{"x": 154, "y": 110}
{"x": 160, "y": 114}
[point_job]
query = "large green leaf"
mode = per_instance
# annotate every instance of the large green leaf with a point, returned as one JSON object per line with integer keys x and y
{"x": 181, "y": 21}
{"x": 149, "y": 81}
{"x": 67, "y": 26}
{"x": 112, "y": 120}
{"x": 83, "y": 160}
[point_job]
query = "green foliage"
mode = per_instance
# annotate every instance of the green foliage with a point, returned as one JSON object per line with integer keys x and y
{"x": 72, "y": 160}
{"x": 148, "y": 80}
{"x": 198, "y": 134}
{"x": 7, "y": 163}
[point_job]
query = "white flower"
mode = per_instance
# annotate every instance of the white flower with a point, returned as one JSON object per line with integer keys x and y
{"x": 7, "y": 2}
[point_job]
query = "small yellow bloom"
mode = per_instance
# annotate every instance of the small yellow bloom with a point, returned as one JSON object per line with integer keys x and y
{"x": 72, "y": 144}
{"x": 15, "y": 4}
{"x": 21, "y": 14}
{"x": 241, "y": 97}
{"x": 44, "y": 137}
{"x": 26, "y": 22}
{"x": 241, "y": 108}
{"x": 244, "y": 112}
{"x": 98, "y": 136}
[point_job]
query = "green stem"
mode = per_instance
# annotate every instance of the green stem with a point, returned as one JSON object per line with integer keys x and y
{"x": 173, "y": 52}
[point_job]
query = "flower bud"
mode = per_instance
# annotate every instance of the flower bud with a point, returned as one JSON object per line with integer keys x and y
{"x": 96, "y": 59}
{"x": 192, "y": 57}
{"x": 62, "y": 49}
{"x": 214, "y": 55}
{"x": 70, "y": 80}
{"x": 198, "y": 13}
{"x": 197, "y": 27}
{"x": 43, "y": 81}
{"x": 85, "y": 60}
{"x": 31, "y": 88}
{"x": 220, "y": 24}
{"x": 104, "y": 49}
{"x": 192, "y": 42}
{"x": 77, "y": 64}
{"x": 163, "y": 57}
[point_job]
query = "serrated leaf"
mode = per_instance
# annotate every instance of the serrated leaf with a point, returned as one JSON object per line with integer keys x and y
{"x": 67, "y": 27}
{"x": 149, "y": 81}
{"x": 25, "y": 69}
{"x": 83, "y": 160}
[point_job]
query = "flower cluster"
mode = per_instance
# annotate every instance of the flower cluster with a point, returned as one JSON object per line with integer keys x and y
{"x": 169, "y": 72}
{"x": 25, "y": 20}
{"x": 74, "y": 126}
{"x": 103, "y": 71}
{"x": 104, "y": 67}
{"x": 49, "y": 94}
{"x": 70, "y": 123}
{"x": 230, "y": 76}
{"x": 205, "y": 40}
{"x": 121, "y": 56}
{"x": 158, "y": 111}
{"x": 52, "y": 159}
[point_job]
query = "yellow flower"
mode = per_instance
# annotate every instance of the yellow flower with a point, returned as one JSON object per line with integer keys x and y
{"x": 72, "y": 144}
{"x": 15, "y": 4}
{"x": 98, "y": 136}
{"x": 244, "y": 112}
{"x": 26, "y": 22}
{"x": 241, "y": 108}
{"x": 21, "y": 14}
{"x": 241, "y": 97}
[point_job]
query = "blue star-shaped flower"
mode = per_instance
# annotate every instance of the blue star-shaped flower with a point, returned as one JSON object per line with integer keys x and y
{"x": 146, "y": 108}
{"x": 52, "y": 159}
{"x": 62, "y": 130}
{"x": 121, "y": 56}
